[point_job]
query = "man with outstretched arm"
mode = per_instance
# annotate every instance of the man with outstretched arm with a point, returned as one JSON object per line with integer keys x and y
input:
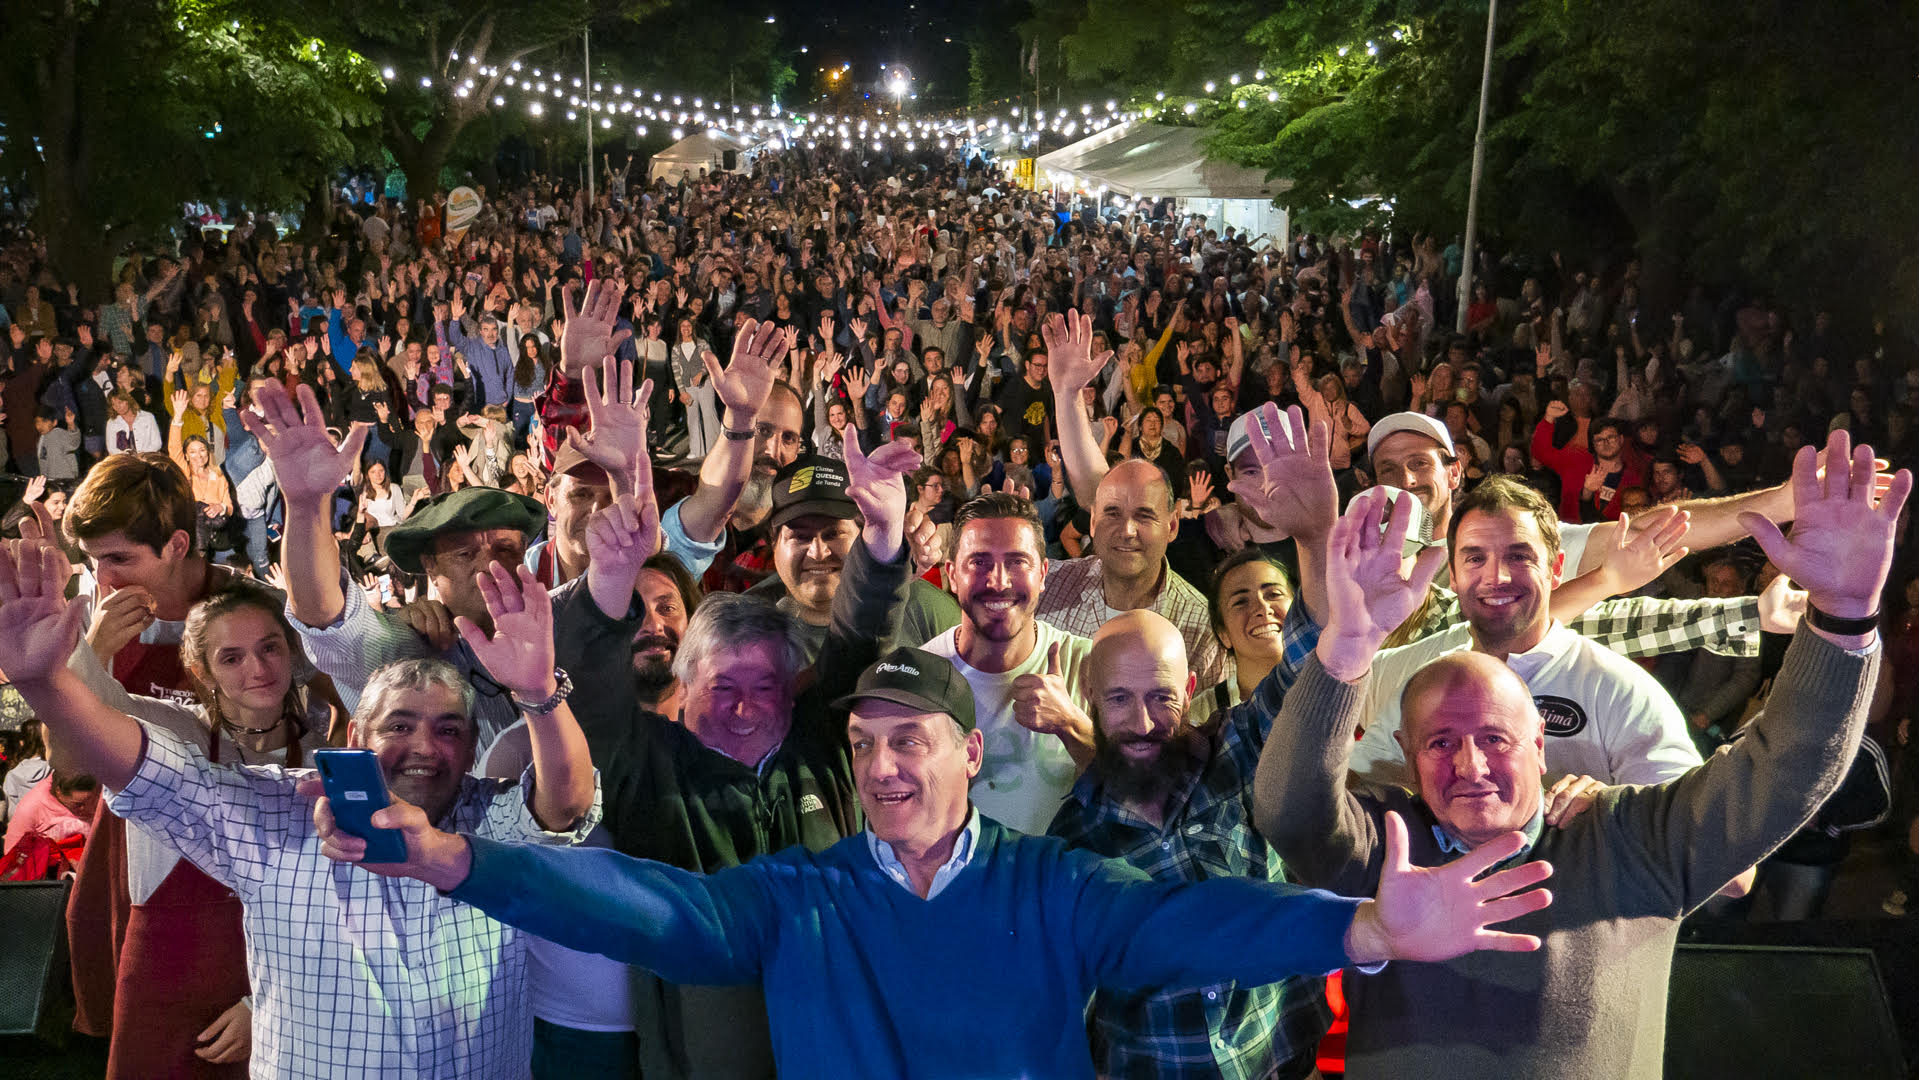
{"x": 1592, "y": 1003}
{"x": 347, "y": 980}
{"x": 888, "y": 954}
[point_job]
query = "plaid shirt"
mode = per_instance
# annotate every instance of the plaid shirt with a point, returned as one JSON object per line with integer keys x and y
{"x": 1225, "y": 1030}
{"x": 1075, "y": 601}
{"x": 352, "y": 974}
{"x": 1640, "y": 626}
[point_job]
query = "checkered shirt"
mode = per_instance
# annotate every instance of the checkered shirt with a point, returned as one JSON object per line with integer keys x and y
{"x": 1638, "y": 626}
{"x": 1225, "y": 1030}
{"x": 364, "y": 639}
{"x": 1075, "y": 601}
{"x": 353, "y": 975}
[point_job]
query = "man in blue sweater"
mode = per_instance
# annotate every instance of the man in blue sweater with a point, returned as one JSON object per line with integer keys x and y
{"x": 938, "y": 943}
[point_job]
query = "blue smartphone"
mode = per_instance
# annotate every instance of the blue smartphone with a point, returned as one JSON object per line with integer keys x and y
{"x": 357, "y": 788}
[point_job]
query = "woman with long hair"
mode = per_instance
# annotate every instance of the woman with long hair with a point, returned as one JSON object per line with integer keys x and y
{"x": 529, "y": 379}
{"x": 1248, "y": 603}
{"x": 181, "y": 1004}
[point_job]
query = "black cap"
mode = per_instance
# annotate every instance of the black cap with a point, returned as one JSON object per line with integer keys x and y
{"x": 919, "y": 680}
{"x": 810, "y": 485}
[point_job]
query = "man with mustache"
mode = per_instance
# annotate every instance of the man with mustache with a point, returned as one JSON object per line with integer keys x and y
{"x": 812, "y": 526}
{"x": 1176, "y": 801}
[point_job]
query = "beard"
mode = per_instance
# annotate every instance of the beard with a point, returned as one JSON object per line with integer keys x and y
{"x": 653, "y": 677}
{"x": 757, "y": 497}
{"x": 1181, "y": 753}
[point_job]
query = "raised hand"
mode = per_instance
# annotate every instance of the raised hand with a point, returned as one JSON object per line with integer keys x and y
{"x": 519, "y": 655}
{"x": 1043, "y": 704}
{"x": 1289, "y": 480}
{"x": 1555, "y": 409}
{"x": 1842, "y": 535}
{"x": 587, "y": 337}
{"x": 1200, "y": 491}
{"x": 748, "y": 378}
{"x": 877, "y": 485}
{"x": 38, "y": 625}
{"x": 1369, "y": 590}
{"x": 36, "y": 487}
{"x": 1069, "y": 352}
{"x": 1439, "y": 912}
{"x": 617, "y": 415}
{"x": 922, "y": 536}
{"x": 306, "y": 464}
{"x": 1640, "y": 556}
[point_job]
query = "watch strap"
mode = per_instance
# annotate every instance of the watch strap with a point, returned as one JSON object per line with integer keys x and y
{"x": 1833, "y": 624}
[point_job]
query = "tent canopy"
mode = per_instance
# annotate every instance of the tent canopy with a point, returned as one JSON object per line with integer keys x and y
{"x": 1156, "y": 160}
{"x": 704, "y": 150}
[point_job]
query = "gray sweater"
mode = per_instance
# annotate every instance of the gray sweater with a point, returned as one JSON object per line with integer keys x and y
{"x": 1592, "y": 1002}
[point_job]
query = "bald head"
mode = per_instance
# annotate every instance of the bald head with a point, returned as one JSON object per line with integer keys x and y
{"x": 1476, "y": 743}
{"x": 1142, "y": 639}
{"x": 1132, "y": 524}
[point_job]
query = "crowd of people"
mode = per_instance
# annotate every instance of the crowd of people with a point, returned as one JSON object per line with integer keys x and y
{"x": 935, "y": 606}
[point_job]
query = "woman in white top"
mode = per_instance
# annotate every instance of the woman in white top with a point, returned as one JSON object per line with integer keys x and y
{"x": 381, "y": 503}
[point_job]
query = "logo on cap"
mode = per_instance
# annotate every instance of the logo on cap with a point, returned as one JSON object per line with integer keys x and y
{"x": 897, "y": 667}
{"x": 802, "y": 480}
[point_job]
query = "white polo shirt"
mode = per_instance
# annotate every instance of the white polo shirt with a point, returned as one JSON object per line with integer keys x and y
{"x": 1605, "y": 716}
{"x": 1025, "y": 776}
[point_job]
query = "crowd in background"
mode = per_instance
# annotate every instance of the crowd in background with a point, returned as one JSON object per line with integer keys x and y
{"x": 910, "y": 300}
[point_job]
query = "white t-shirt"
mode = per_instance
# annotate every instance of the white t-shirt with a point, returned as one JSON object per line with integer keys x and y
{"x": 1025, "y": 775}
{"x": 1572, "y": 541}
{"x": 584, "y": 991}
{"x": 1605, "y": 716}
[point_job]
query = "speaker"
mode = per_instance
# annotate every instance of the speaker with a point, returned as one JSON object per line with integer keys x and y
{"x": 1779, "y": 1013}
{"x": 730, "y": 160}
{"x": 33, "y": 953}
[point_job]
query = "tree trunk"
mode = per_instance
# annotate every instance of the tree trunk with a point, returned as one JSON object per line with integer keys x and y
{"x": 1659, "y": 233}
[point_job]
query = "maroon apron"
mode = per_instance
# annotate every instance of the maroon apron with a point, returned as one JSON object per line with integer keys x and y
{"x": 184, "y": 963}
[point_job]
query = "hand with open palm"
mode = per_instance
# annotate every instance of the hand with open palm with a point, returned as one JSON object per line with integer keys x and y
{"x": 617, "y": 418}
{"x": 746, "y": 381}
{"x": 1369, "y": 589}
{"x": 519, "y": 654}
{"x": 39, "y": 626}
{"x": 1840, "y": 549}
{"x": 1289, "y": 481}
{"x": 306, "y": 463}
{"x": 1435, "y": 913}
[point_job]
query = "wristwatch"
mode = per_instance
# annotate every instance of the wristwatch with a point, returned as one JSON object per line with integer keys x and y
{"x": 1833, "y": 624}
{"x": 561, "y": 690}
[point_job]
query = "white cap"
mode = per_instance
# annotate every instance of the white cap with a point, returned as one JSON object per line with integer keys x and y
{"x": 1238, "y": 438}
{"x": 1417, "y": 423}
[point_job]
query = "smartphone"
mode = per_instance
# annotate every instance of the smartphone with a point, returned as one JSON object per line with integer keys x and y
{"x": 357, "y": 788}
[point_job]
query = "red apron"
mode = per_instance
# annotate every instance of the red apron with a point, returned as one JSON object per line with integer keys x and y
{"x": 184, "y": 963}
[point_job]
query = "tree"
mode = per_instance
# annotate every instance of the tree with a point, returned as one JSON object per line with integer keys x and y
{"x": 1715, "y": 137}
{"x": 121, "y": 111}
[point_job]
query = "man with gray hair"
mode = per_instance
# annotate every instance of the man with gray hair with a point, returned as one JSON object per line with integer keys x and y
{"x": 348, "y": 978}
{"x": 486, "y": 354}
{"x": 757, "y": 760}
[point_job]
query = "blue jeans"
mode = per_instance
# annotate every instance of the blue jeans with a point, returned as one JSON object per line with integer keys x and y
{"x": 257, "y": 545}
{"x": 564, "y": 1053}
{"x": 522, "y": 414}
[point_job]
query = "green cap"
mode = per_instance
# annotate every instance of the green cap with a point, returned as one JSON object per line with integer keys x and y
{"x": 469, "y": 509}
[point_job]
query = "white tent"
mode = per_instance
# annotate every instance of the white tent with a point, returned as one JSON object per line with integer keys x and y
{"x": 1138, "y": 159}
{"x": 714, "y": 150}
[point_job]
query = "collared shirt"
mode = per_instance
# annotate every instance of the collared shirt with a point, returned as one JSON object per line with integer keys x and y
{"x": 364, "y": 640}
{"x": 1453, "y": 845}
{"x": 1226, "y": 1030}
{"x": 1075, "y": 601}
{"x": 352, "y": 974}
{"x": 1639, "y": 626}
{"x": 963, "y": 848}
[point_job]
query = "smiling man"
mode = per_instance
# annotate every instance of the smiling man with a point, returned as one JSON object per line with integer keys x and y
{"x": 889, "y": 953}
{"x": 1592, "y": 1002}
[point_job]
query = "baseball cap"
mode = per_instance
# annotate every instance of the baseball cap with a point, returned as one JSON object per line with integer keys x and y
{"x": 810, "y": 485}
{"x": 1420, "y": 534}
{"x": 570, "y": 462}
{"x": 916, "y": 679}
{"x": 1417, "y": 423}
{"x": 1239, "y": 436}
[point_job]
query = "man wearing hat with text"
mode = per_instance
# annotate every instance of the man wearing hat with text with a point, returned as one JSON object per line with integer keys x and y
{"x": 813, "y": 525}
{"x": 449, "y": 538}
{"x": 869, "y": 950}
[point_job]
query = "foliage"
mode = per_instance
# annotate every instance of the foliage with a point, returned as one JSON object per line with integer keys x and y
{"x": 1717, "y": 137}
{"x": 119, "y": 111}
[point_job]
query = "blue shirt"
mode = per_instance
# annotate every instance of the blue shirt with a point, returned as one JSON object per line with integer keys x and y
{"x": 890, "y": 865}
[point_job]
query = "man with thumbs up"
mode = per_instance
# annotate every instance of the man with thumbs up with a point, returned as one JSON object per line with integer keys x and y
{"x": 1025, "y": 674}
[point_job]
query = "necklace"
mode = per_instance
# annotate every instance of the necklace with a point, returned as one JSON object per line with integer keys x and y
{"x": 231, "y": 726}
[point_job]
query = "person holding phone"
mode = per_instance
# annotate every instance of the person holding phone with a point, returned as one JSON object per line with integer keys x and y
{"x": 345, "y": 978}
